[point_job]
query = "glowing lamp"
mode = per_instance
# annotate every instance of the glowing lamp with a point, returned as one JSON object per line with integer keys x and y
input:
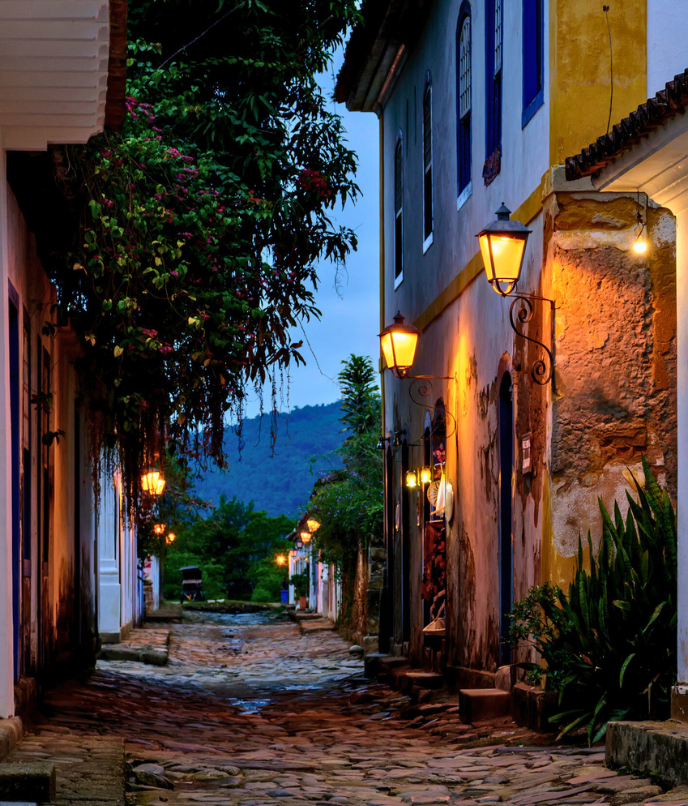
{"x": 411, "y": 479}
{"x": 425, "y": 475}
{"x": 313, "y": 525}
{"x": 503, "y": 245}
{"x": 640, "y": 246}
{"x": 171, "y": 537}
{"x": 399, "y": 342}
{"x": 298, "y": 543}
{"x": 153, "y": 482}
{"x": 159, "y": 528}
{"x": 281, "y": 559}
{"x": 305, "y": 536}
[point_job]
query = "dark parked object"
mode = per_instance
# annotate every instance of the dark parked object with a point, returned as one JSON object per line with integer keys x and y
{"x": 192, "y": 584}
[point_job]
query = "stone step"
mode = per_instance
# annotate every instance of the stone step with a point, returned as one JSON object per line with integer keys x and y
{"x": 34, "y": 782}
{"x": 391, "y": 661}
{"x": 170, "y": 612}
{"x": 301, "y": 615}
{"x": 372, "y": 664}
{"x": 479, "y": 704}
{"x": 11, "y": 731}
{"x": 425, "y": 679}
{"x": 316, "y": 625}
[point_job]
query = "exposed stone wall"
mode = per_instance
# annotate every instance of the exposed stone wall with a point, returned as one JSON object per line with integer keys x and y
{"x": 615, "y": 397}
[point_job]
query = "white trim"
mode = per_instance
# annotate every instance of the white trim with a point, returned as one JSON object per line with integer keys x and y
{"x": 427, "y": 243}
{"x": 398, "y": 280}
{"x": 464, "y": 196}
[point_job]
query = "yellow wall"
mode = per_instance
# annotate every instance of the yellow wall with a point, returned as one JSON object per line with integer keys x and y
{"x": 579, "y": 69}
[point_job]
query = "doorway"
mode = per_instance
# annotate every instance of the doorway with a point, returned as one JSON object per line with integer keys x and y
{"x": 506, "y": 546}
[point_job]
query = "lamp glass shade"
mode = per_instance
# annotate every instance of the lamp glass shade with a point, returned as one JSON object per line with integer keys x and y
{"x": 411, "y": 479}
{"x": 159, "y": 528}
{"x": 305, "y": 536}
{"x": 160, "y": 486}
{"x": 503, "y": 246}
{"x": 298, "y": 543}
{"x": 399, "y": 342}
{"x": 171, "y": 537}
{"x": 313, "y": 525}
{"x": 425, "y": 475}
{"x": 149, "y": 481}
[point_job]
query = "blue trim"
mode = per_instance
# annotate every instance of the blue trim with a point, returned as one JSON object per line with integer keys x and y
{"x": 493, "y": 84}
{"x": 529, "y": 112}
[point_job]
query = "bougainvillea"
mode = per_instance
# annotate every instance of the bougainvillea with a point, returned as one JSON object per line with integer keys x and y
{"x": 201, "y": 224}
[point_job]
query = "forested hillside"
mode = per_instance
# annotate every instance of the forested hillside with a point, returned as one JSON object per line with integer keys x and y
{"x": 278, "y": 484}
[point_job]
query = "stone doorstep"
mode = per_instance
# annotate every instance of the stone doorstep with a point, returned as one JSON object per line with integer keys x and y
{"x": 372, "y": 664}
{"x": 11, "y": 732}
{"x": 480, "y": 704}
{"x": 169, "y": 612}
{"x": 660, "y": 747}
{"x": 154, "y": 656}
{"x": 35, "y": 782}
{"x": 424, "y": 679}
{"x": 316, "y": 625}
{"x": 300, "y": 616}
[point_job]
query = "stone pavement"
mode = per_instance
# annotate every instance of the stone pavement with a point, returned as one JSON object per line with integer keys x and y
{"x": 249, "y": 712}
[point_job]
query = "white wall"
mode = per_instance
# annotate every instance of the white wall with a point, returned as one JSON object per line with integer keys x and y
{"x": 667, "y": 32}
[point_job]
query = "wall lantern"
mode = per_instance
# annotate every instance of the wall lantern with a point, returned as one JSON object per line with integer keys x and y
{"x": 411, "y": 479}
{"x": 159, "y": 528}
{"x": 399, "y": 342}
{"x": 171, "y": 537}
{"x": 425, "y": 475}
{"x": 153, "y": 482}
{"x": 298, "y": 543}
{"x": 503, "y": 247}
{"x": 305, "y": 536}
{"x": 313, "y": 525}
{"x": 280, "y": 559}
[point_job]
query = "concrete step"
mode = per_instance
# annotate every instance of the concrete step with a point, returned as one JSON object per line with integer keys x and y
{"x": 479, "y": 704}
{"x": 425, "y": 679}
{"x": 33, "y": 782}
{"x": 316, "y": 625}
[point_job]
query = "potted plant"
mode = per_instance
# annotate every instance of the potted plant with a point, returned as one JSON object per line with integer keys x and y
{"x": 300, "y": 583}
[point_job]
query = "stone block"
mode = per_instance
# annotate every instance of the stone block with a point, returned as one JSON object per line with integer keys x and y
{"x": 372, "y": 664}
{"x": 480, "y": 704}
{"x": 11, "y": 731}
{"x": 660, "y": 747}
{"x": 34, "y": 782}
{"x": 423, "y": 679}
{"x": 532, "y": 707}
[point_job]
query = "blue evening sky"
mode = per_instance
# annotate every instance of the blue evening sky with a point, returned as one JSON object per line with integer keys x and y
{"x": 350, "y": 319}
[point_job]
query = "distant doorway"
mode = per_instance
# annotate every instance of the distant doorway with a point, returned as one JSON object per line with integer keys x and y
{"x": 506, "y": 548}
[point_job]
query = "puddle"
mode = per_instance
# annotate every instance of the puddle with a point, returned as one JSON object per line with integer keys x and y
{"x": 250, "y": 706}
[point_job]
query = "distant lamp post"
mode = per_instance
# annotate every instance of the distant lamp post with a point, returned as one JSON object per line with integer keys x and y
{"x": 503, "y": 246}
{"x": 153, "y": 482}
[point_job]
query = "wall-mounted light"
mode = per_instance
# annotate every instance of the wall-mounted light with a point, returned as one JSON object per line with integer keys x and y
{"x": 305, "y": 536}
{"x": 153, "y": 482}
{"x": 399, "y": 341}
{"x": 503, "y": 245}
{"x": 159, "y": 528}
{"x": 280, "y": 559}
{"x": 411, "y": 479}
{"x": 425, "y": 475}
{"x": 313, "y": 525}
{"x": 298, "y": 543}
{"x": 640, "y": 243}
{"x": 171, "y": 537}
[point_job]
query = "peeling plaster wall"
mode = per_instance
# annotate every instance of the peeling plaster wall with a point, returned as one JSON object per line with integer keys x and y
{"x": 616, "y": 361}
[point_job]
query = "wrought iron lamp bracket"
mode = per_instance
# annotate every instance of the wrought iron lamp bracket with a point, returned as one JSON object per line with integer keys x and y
{"x": 542, "y": 370}
{"x": 425, "y": 390}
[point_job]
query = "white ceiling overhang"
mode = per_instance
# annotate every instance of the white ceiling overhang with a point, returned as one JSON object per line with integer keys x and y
{"x": 657, "y": 165}
{"x": 53, "y": 71}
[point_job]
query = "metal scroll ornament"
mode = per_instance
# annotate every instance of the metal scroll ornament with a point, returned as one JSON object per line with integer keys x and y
{"x": 422, "y": 386}
{"x": 543, "y": 368}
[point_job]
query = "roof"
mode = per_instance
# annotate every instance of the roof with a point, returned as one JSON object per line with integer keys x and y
{"x": 648, "y": 117}
{"x": 387, "y": 29}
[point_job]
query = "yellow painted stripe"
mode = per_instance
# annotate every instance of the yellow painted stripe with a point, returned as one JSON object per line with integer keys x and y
{"x": 525, "y": 213}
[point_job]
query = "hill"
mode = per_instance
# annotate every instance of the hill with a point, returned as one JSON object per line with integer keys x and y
{"x": 281, "y": 482}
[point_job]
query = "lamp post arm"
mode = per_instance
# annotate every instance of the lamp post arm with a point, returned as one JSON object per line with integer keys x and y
{"x": 543, "y": 369}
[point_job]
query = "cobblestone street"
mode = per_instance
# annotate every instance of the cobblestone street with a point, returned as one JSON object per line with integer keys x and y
{"x": 249, "y": 712}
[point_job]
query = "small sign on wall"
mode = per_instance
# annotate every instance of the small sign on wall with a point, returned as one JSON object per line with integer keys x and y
{"x": 526, "y": 466}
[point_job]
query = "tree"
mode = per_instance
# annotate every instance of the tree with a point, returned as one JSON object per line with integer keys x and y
{"x": 187, "y": 248}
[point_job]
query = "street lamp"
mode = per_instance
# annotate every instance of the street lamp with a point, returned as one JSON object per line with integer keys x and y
{"x": 305, "y": 536}
{"x": 425, "y": 475}
{"x": 153, "y": 482}
{"x": 281, "y": 559}
{"x": 411, "y": 479}
{"x": 399, "y": 342}
{"x": 171, "y": 537}
{"x": 159, "y": 528}
{"x": 313, "y": 525}
{"x": 503, "y": 246}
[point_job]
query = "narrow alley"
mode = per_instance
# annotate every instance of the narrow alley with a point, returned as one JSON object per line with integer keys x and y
{"x": 248, "y": 711}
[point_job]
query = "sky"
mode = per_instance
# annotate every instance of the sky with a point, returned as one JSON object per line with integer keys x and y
{"x": 350, "y": 318}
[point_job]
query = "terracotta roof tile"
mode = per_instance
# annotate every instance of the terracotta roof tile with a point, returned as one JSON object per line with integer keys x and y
{"x": 667, "y": 103}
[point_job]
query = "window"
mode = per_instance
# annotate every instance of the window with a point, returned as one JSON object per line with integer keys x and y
{"x": 427, "y": 163}
{"x": 533, "y": 58}
{"x": 463, "y": 102}
{"x": 398, "y": 212}
{"x": 493, "y": 61}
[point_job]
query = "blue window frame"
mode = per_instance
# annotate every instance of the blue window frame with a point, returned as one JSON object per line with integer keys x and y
{"x": 463, "y": 98}
{"x": 493, "y": 84}
{"x": 427, "y": 163}
{"x": 398, "y": 211}
{"x": 533, "y": 59}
